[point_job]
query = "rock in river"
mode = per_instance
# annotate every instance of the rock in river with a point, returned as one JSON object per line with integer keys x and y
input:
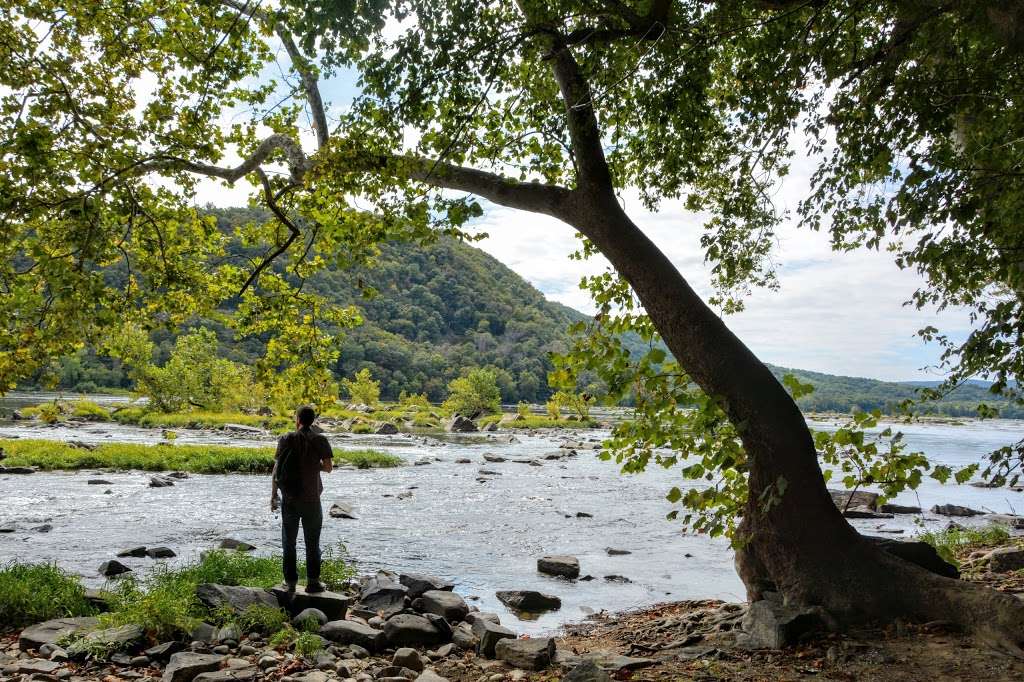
{"x": 954, "y": 510}
{"x": 237, "y": 545}
{"x": 112, "y": 568}
{"x": 528, "y": 600}
{"x": 417, "y": 583}
{"x": 160, "y": 553}
{"x": 560, "y": 565}
{"x": 139, "y": 551}
{"x": 460, "y": 424}
{"x": 341, "y": 510}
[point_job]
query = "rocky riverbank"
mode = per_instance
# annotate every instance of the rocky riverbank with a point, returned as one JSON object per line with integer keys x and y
{"x": 407, "y": 627}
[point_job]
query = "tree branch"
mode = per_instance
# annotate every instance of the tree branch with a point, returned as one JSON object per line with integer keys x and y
{"x": 302, "y": 66}
{"x": 294, "y": 232}
{"x": 298, "y": 164}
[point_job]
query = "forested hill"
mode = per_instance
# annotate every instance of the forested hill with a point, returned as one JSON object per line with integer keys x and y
{"x": 841, "y": 394}
{"x": 441, "y": 309}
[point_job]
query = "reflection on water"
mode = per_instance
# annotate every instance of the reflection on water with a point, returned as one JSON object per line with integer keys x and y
{"x": 484, "y": 536}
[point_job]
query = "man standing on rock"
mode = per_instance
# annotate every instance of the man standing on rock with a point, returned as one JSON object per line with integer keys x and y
{"x": 301, "y": 456}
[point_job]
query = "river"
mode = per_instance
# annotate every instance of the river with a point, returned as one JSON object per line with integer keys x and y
{"x": 484, "y": 536}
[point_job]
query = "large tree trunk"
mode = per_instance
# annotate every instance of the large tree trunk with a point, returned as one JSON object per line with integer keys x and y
{"x": 801, "y": 547}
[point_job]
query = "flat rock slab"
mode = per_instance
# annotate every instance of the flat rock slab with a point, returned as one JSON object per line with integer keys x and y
{"x": 587, "y": 671}
{"x": 955, "y": 510}
{"x": 228, "y": 674}
{"x": 49, "y": 632}
{"x": 350, "y": 632}
{"x": 238, "y": 598}
{"x": 528, "y": 654}
{"x": 37, "y": 665}
{"x": 332, "y": 604}
{"x": 417, "y": 583}
{"x": 559, "y": 565}
{"x": 604, "y": 660}
{"x": 186, "y": 666}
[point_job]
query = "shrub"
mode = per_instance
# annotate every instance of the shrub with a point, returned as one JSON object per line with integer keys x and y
{"x": 474, "y": 394}
{"x": 523, "y": 408}
{"x": 554, "y": 409}
{"x": 362, "y": 388}
{"x": 163, "y": 604}
{"x": 307, "y": 645}
{"x": 30, "y": 593}
{"x": 414, "y": 400}
{"x": 87, "y": 409}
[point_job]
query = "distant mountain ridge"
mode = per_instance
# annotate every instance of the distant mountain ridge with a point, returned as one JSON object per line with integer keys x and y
{"x": 442, "y": 308}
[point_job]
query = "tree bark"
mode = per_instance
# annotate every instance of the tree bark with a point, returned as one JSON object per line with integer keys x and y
{"x": 801, "y": 547}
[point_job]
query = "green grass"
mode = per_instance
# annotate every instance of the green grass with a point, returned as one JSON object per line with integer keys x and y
{"x": 163, "y": 602}
{"x": 952, "y": 542}
{"x": 307, "y": 645}
{"x": 535, "y": 421}
{"x": 200, "y": 459}
{"x": 31, "y": 593}
{"x": 140, "y": 416}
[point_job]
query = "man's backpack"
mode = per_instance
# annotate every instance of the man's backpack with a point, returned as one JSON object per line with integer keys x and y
{"x": 289, "y": 464}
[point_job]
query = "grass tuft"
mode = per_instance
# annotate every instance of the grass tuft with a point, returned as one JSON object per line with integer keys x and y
{"x": 32, "y": 593}
{"x": 951, "y": 542}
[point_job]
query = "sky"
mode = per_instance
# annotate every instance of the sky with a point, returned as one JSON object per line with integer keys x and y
{"x": 836, "y": 313}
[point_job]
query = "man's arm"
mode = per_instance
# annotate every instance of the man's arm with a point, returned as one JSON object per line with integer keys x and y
{"x": 327, "y": 460}
{"x": 273, "y": 477}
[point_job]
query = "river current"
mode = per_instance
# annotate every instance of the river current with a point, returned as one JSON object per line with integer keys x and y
{"x": 440, "y": 518}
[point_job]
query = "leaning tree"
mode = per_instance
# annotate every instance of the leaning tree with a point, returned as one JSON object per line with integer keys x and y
{"x": 111, "y": 112}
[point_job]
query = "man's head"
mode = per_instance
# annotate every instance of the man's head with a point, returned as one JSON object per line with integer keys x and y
{"x": 304, "y": 416}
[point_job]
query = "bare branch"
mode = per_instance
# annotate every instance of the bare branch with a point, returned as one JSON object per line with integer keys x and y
{"x": 298, "y": 164}
{"x": 293, "y": 230}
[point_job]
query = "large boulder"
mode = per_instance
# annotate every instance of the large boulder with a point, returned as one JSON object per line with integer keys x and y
{"x": 954, "y": 510}
{"x": 460, "y": 424}
{"x": 382, "y": 594}
{"x": 407, "y": 629}
{"x": 332, "y": 604}
{"x": 559, "y": 565}
{"x": 529, "y": 654}
{"x": 351, "y": 632}
{"x": 448, "y": 605}
{"x": 489, "y": 634}
{"x": 417, "y": 584}
{"x": 237, "y": 598}
{"x": 51, "y": 631}
{"x": 916, "y": 552}
{"x": 186, "y": 666}
{"x": 848, "y": 499}
{"x": 528, "y": 600}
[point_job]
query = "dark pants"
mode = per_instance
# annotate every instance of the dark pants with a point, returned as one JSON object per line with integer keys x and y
{"x": 312, "y": 517}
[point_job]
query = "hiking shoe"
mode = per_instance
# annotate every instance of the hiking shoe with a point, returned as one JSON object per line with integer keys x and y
{"x": 289, "y": 587}
{"x": 315, "y": 587}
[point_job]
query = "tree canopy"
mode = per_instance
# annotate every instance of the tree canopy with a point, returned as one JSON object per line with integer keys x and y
{"x": 111, "y": 111}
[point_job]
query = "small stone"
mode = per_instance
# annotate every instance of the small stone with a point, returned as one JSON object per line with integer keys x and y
{"x": 587, "y": 671}
{"x": 409, "y": 658}
{"x": 185, "y": 666}
{"x": 222, "y": 649}
{"x": 139, "y": 661}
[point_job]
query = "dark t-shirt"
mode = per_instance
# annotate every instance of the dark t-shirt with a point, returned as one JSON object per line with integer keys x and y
{"x": 316, "y": 451}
